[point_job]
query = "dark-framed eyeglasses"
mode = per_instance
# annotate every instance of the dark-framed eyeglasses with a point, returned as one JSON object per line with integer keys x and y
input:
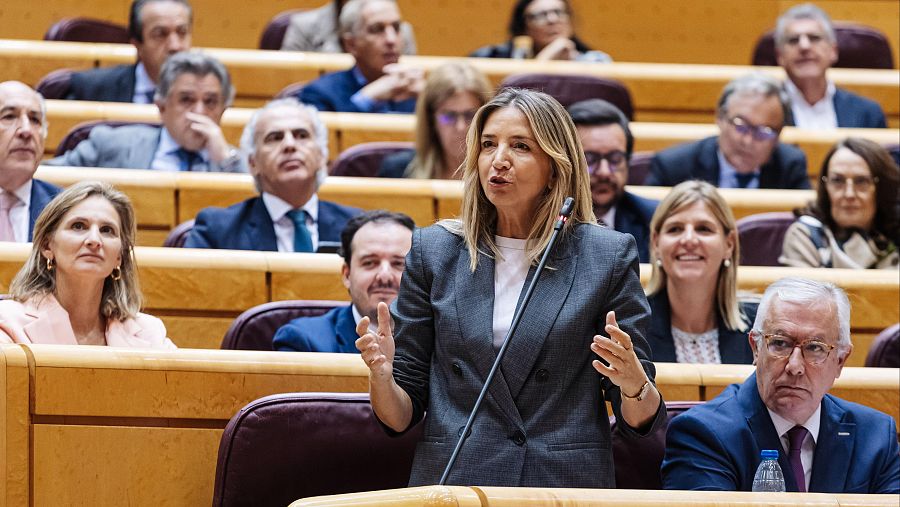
{"x": 837, "y": 182}
{"x": 615, "y": 160}
{"x": 781, "y": 347}
{"x": 813, "y": 38}
{"x": 543, "y": 17}
{"x": 448, "y": 118}
{"x": 759, "y": 132}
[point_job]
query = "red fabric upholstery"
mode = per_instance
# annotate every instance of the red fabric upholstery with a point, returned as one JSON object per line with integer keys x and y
{"x": 179, "y": 234}
{"x": 81, "y": 132}
{"x": 365, "y": 159}
{"x": 638, "y": 460}
{"x": 87, "y": 30}
{"x": 885, "y": 350}
{"x": 859, "y": 47}
{"x": 255, "y": 328}
{"x": 639, "y": 167}
{"x": 273, "y": 33}
{"x": 284, "y": 447}
{"x": 56, "y": 84}
{"x": 569, "y": 89}
{"x": 762, "y": 236}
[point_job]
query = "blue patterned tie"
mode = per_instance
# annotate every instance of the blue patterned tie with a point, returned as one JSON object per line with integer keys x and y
{"x": 187, "y": 159}
{"x": 302, "y": 238}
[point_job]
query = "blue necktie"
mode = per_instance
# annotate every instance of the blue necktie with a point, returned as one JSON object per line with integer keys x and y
{"x": 744, "y": 179}
{"x": 149, "y": 96}
{"x": 302, "y": 238}
{"x": 187, "y": 159}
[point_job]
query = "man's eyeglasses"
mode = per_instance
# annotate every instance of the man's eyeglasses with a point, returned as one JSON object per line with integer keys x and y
{"x": 781, "y": 347}
{"x": 837, "y": 183}
{"x": 813, "y": 38}
{"x": 759, "y": 132}
{"x": 615, "y": 160}
{"x": 448, "y": 118}
{"x": 543, "y": 17}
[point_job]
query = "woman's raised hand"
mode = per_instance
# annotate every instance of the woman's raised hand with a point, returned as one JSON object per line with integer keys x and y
{"x": 377, "y": 349}
{"x": 625, "y": 369}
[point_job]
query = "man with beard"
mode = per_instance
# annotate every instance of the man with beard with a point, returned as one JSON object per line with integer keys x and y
{"x": 608, "y": 145}
{"x": 374, "y": 247}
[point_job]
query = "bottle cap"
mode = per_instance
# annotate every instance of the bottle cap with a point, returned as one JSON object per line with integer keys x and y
{"x": 769, "y": 454}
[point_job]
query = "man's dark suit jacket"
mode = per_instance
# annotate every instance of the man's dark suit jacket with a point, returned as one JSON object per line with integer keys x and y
{"x": 716, "y": 446}
{"x": 332, "y": 92}
{"x": 109, "y": 84}
{"x": 857, "y": 112}
{"x": 41, "y": 195}
{"x": 733, "y": 345}
{"x": 633, "y": 214}
{"x": 334, "y": 331}
{"x": 248, "y": 226}
{"x": 700, "y": 161}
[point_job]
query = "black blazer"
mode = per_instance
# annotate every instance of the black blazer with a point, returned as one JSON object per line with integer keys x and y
{"x": 109, "y": 84}
{"x": 700, "y": 161}
{"x": 733, "y": 345}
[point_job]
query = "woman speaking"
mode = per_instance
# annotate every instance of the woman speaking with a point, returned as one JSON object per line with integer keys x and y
{"x": 544, "y": 421}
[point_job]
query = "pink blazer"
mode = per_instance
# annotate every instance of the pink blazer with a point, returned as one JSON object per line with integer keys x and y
{"x": 48, "y": 322}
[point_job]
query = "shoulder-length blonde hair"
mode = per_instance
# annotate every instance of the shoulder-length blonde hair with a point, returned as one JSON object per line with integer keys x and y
{"x": 680, "y": 197}
{"x": 441, "y": 84}
{"x": 121, "y": 299}
{"x": 556, "y": 135}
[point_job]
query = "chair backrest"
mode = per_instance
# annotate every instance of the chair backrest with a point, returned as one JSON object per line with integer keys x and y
{"x": 179, "y": 234}
{"x": 255, "y": 328}
{"x": 885, "y": 350}
{"x": 273, "y": 33}
{"x": 87, "y": 30}
{"x": 81, "y": 132}
{"x": 894, "y": 150}
{"x": 638, "y": 460}
{"x": 859, "y": 47}
{"x": 639, "y": 167}
{"x": 291, "y": 90}
{"x": 284, "y": 447}
{"x": 365, "y": 159}
{"x": 55, "y": 85}
{"x": 762, "y": 236}
{"x": 570, "y": 88}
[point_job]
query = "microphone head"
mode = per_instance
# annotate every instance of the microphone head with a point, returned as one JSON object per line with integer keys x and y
{"x": 567, "y": 207}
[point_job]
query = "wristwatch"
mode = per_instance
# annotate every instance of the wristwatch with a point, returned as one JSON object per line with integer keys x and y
{"x": 640, "y": 395}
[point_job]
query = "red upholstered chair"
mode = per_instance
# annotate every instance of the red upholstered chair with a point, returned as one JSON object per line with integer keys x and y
{"x": 762, "y": 236}
{"x": 885, "y": 350}
{"x": 859, "y": 47}
{"x": 255, "y": 328}
{"x": 639, "y": 167}
{"x": 56, "y": 84}
{"x": 179, "y": 234}
{"x": 637, "y": 460}
{"x": 284, "y": 447}
{"x": 87, "y": 30}
{"x": 273, "y": 33}
{"x": 81, "y": 132}
{"x": 571, "y": 88}
{"x": 365, "y": 159}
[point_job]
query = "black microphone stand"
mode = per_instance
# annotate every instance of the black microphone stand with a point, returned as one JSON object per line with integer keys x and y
{"x": 564, "y": 214}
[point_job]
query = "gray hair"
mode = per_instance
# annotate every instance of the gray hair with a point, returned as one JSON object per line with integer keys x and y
{"x": 755, "y": 83}
{"x": 193, "y": 62}
{"x": 320, "y": 131}
{"x": 808, "y": 293}
{"x": 351, "y": 15}
{"x": 803, "y": 11}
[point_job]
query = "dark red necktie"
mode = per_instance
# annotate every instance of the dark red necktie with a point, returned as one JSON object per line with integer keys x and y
{"x": 796, "y": 436}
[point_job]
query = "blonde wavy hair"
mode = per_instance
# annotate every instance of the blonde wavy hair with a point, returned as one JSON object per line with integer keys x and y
{"x": 556, "y": 135}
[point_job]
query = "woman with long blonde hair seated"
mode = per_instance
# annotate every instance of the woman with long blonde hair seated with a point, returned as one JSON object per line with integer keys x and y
{"x": 79, "y": 285}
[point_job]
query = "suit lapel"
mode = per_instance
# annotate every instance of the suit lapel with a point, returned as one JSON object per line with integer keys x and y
{"x": 345, "y": 329}
{"x": 709, "y": 169}
{"x": 842, "y": 113}
{"x": 259, "y": 232}
{"x": 125, "y": 334}
{"x": 763, "y": 431}
{"x": 834, "y": 445}
{"x": 143, "y": 150}
{"x": 51, "y": 324}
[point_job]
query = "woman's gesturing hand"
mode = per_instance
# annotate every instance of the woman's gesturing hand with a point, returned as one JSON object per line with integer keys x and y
{"x": 377, "y": 349}
{"x": 625, "y": 369}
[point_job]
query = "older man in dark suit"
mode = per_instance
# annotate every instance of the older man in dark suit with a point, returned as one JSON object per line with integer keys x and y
{"x": 23, "y": 129}
{"x": 746, "y": 154}
{"x": 287, "y": 148}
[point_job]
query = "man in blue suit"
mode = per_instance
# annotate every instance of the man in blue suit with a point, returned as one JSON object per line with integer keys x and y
{"x": 806, "y": 46}
{"x": 608, "y": 145}
{"x": 370, "y": 30}
{"x": 801, "y": 341}
{"x": 23, "y": 129}
{"x": 374, "y": 246}
{"x": 287, "y": 148}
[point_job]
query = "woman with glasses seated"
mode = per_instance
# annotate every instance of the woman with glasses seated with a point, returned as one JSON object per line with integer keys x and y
{"x": 542, "y": 29}
{"x": 452, "y": 94}
{"x": 853, "y": 223}
{"x": 695, "y": 313}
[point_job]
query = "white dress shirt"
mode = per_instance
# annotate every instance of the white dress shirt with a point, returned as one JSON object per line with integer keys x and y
{"x": 509, "y": 278}
{"x": 142, "y": 85}
{"x": 20, "y": 214}
{"x": 818, "y": 116}
{"x": 782, "y": 426}
{"x": 284, "y": 226}
{"x": 609, "y": 218}
{"x": 373, "y": 325}
{"x": 167, "y": 159}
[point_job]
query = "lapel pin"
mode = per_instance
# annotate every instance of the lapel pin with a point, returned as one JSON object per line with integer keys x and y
{"x": 843, "y": 433}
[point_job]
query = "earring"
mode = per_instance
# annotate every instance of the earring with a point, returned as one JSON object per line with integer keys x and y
{"x": 726, "y": 263}
{"x": 50, "y": 264}
{"x": 659, "y": 263}
{"x": 116, "y": 274}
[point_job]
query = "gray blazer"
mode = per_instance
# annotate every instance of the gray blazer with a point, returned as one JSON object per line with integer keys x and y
{"x": 316, "y": 30}
{"x": 126, "y": 147}
{"x": 544, "y": 423}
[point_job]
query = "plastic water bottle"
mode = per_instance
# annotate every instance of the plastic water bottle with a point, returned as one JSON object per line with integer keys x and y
{"x": 768, "y": 476}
